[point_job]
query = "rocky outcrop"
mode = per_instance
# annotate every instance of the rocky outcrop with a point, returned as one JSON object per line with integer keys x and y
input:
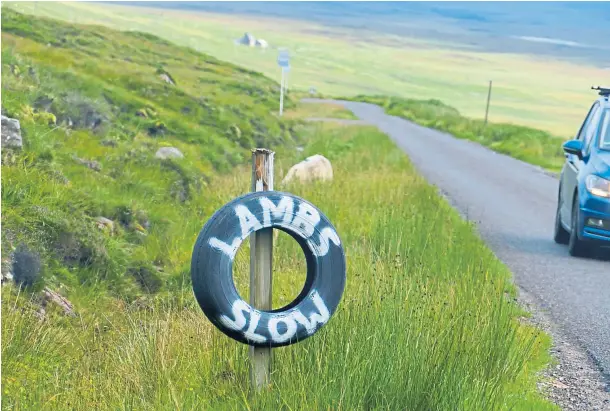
{"x": 52, "y": 297}
{"x": 166, "y": 77}
{"x": 92, "y": 164}
{"x": 168, "y": 152}
{"x": 11, "y": 133}
{"x": 105, "y": 224}
{"x": 7, "y": 275}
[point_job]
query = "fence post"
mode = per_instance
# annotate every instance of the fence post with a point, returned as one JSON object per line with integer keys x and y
{"x": 261, "y": 257}
{"x": 488, "y": 98}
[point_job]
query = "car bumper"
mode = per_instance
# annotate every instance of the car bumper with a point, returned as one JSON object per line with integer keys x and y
{"x": 595, "y": 219}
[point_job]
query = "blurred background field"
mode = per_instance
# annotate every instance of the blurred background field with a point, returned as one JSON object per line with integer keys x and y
{"x": 429, "y": 318}
{"x": 548, "y": 92}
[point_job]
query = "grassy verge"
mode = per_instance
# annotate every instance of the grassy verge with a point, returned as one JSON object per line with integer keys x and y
{"x": 427, "y": 321}
{"x": 322, "y": 110}
{"x": 95, "y": 106}
{"x": 524, "y": 143}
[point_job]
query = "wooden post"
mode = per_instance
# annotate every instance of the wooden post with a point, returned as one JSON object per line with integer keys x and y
{"x": 261, "y": 257}
{"x": 488, "y": 98}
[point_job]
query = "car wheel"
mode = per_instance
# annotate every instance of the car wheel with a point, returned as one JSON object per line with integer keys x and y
{"x": 576, "y": 246}
{"x": 561, "y": 234}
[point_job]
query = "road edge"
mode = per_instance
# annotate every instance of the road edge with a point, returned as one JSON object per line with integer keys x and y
{"x": 575, "y": 381}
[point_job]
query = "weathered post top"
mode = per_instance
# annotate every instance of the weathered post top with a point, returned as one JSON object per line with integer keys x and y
{"x": 262, "y": 169}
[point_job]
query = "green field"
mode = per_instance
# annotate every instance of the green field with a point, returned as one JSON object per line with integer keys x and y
{"x": 213, "y": 114}
{"x": 428, "y": 320}
{"x": 541, "y": 93}
{"x": 319, "y": 111}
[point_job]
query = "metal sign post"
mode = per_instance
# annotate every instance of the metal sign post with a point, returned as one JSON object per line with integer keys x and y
{"x": 283, "y": 60}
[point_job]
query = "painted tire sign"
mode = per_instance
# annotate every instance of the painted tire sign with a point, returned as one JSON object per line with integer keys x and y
{"x": 212, "y": 265}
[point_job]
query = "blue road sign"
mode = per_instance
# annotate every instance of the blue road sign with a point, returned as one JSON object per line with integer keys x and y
{"x": 283, "y": 59}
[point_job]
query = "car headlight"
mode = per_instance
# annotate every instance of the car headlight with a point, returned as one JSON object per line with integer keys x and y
{"x": 598, "y": 186}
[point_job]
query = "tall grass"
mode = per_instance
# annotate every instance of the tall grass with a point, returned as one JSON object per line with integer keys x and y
{"x": 427, "y": 321}
{"x": 524, "y": 143}
{"x": 326, "y": 110}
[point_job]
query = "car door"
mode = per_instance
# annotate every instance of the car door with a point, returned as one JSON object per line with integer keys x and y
{"x": 569, "y": 177}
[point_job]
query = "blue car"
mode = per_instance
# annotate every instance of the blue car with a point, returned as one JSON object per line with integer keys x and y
{"x": 583, "y": 205}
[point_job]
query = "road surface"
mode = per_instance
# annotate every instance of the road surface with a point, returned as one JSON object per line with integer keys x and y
{"x": 513, "y": 204}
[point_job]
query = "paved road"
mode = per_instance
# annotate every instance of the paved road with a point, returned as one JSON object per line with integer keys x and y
{"x": 514, "y": 206}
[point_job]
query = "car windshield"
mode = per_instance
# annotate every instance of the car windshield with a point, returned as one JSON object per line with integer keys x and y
{"x": 604, "y": 137}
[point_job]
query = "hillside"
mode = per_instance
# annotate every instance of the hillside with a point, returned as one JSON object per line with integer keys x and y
{"x": 95, "y": 105}
{"x": 535, "y": 84}
{"x": 428, "y": 320}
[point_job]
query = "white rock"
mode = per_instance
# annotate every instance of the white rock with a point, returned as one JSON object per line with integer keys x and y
{"x": 165, "y": 77}
{"x": 168, "y": 152}
{"x": 11, "y": 133}
{"x": 104, "y": 223}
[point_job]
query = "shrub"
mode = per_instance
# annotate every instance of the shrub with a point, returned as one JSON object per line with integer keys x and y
{"x": 80, "y": 111}
{"x": 27, "y": 267}
{"x": 146, "y": 276}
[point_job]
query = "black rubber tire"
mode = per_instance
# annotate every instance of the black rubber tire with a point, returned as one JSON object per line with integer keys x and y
{"x": 576, "y": 246}
{"x": 561, "y": 235}
{"x": 211, "y": 269}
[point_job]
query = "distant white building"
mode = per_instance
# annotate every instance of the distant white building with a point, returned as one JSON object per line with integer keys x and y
{"x": 250, "y": 41}
{"x": 261, "y": 43}
{"x": 247, "y": 40}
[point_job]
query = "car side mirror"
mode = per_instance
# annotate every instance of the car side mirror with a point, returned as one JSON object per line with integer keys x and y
{"x": 573, "y": 147}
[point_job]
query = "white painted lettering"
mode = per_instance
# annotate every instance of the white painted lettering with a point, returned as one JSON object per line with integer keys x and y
{"x": 238, "y": 308}
{"x": 306, "y": 219}
{"x": 250, "y": 334}
{"x": 247, "y": 221}
{"x": 291, "y": 329}
{"x": 228, "y": 249}
{"x": 283, "y": 210}
{"x": 326, "y": 234}
{"x": 315, "y": 318}
{"x": 291, "y": 320}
